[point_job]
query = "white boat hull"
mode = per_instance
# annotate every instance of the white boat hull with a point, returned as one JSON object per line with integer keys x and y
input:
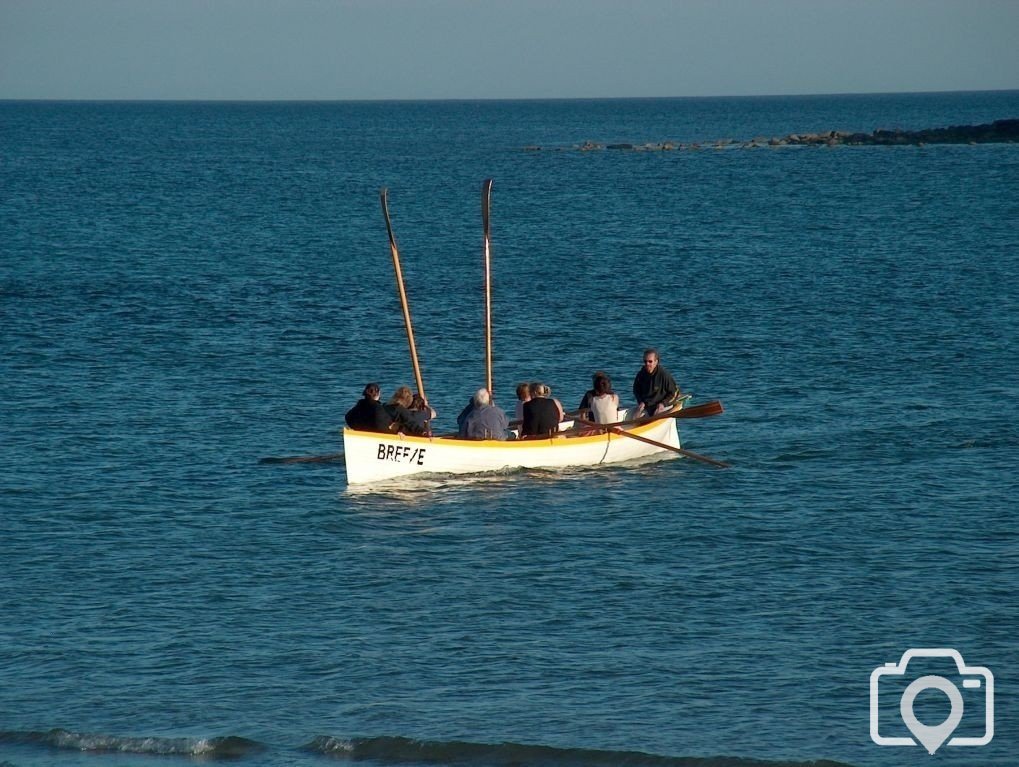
{"x": 374, "y": 457}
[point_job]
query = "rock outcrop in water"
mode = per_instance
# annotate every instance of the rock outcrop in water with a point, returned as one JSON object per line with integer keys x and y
{"x": 997, "y": 132}
{"x": 1000, "y": 131}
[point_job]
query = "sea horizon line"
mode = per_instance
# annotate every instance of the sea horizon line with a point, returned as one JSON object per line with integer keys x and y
{"x": 473, "y": 100}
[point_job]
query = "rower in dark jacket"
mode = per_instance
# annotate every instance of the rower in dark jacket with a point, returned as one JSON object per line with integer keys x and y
{"x": 654, "y": 387}
{"x": 369, "y": 414}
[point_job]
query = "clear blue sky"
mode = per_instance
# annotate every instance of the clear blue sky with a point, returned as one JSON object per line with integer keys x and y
{"x": 435, "y": 49}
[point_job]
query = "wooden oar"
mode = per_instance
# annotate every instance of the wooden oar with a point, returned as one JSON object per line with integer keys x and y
{"x": 384, "y": 194}
{"x": 329, "y": 458}
{"x": 662, "y": 445}
{"x": 703, "y": 410}
{"x": 486, "y": 201}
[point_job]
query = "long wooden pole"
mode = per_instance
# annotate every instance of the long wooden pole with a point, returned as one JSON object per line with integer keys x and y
{"x": 486, "y": 199}
{"x": 403, "y": 293}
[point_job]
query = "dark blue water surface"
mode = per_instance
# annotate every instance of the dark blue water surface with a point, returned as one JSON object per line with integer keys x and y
{"x": 187, "y": 288}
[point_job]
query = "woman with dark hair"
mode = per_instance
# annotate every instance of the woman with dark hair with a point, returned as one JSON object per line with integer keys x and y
{"x": 422, "y": 413}
{"x": 585, "y": 402}
{"x": 604, "y": 402}
{"x": 369, "y": 414}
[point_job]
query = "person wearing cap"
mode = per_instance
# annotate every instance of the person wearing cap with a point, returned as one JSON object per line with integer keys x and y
{"x": 369, "y": 414}
{"x": 653, "y": 387}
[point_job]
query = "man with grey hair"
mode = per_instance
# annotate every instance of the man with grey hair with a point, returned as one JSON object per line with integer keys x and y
{"x": 486, "y": 420}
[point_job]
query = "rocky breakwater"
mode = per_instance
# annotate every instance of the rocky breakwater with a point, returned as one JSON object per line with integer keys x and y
{"x": 997, "y": 132}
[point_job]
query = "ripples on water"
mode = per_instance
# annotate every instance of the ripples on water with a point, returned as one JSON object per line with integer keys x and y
{"x": 189, "y": 288}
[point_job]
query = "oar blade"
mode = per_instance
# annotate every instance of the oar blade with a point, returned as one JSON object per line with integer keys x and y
{"x": 486, "y": 205}
{"x": 704, "y": 410}
{"x": 384, "y": 198}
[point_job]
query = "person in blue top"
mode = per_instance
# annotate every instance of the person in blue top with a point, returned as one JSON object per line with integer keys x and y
{"x": 486, "y": 420}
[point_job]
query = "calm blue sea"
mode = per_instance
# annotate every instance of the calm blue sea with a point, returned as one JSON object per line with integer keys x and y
{"x": 186, "y": 288}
